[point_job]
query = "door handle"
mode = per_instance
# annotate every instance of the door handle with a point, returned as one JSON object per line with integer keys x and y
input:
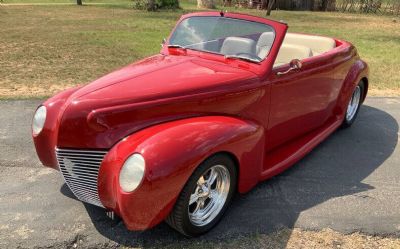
{"x": 294, "y": 64}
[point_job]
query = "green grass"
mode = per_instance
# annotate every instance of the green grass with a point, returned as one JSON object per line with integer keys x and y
{"x": 44, "y": 49}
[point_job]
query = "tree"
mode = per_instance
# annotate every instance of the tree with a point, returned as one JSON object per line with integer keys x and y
{"x": 79, "y": 2}
{"x": 209, "y": 4}
{"x": 151, "y": 5}
{"x": 267, "y": 5}
{"x": 325, "y": 5}
{"x": 270, "y": 4}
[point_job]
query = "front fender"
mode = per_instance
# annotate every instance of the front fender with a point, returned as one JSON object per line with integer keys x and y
{"x": 172, "y": 151}
{"x": 46, "y": 141}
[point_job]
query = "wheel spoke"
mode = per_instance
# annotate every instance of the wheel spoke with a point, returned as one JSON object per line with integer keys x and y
{"x": 213, "y": 176}
{"x": 209, "y": 202}
{"x": 193, "y": 198}
{"x": 199, "y": 205}
{"x": 353, "y": 104}
{"x": 213, "y": 194}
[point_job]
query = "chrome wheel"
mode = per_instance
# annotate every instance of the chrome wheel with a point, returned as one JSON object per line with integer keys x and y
{"x": 353, "y": 104}
{"x": 209, "y": 196}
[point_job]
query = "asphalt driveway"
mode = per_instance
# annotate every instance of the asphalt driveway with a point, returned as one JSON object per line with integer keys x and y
{"x": 351, "y": 182}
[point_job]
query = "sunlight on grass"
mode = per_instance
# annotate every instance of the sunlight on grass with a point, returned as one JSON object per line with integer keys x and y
{"x": 44, "y": 49}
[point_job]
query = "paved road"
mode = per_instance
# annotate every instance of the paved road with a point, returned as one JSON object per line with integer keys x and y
{"x": 349, "y": 183}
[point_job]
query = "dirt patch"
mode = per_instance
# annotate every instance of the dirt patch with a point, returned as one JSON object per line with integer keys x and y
{"x": 326, "y": 238}
{"x": 384, "y": 92}
{"x": 24, "y": 91}
{"x": 294, "y": 239}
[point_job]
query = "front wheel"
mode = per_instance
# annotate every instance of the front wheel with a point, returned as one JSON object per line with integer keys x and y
{"x": 354, "y": 105}
{"x": 205, "y": 196}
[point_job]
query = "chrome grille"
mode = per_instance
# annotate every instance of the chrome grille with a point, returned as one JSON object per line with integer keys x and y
{"x": 80, "y": 169}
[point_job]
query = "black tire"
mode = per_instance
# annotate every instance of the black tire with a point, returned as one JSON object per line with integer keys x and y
{"x": 179, "y": 217}
{"x": 346, "y": 121}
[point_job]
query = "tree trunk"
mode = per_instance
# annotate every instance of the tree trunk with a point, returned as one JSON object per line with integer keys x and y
{"x": 227, "y": 3}
{"x": 151, "y": 5}
{"x": 79, "y": 2}
{"x": 264, "y": 4}
{"x": 269, "y": 7}
{"x": 209, "y": 4}
{"x": 327, "y": 5}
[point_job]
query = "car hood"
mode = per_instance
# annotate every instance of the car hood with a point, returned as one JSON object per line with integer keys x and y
{"x": 160, "y": 76}
{"x": 158, "y": 89}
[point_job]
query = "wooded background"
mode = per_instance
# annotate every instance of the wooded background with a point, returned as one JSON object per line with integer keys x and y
{"x": 362, "y": 6}
{"x": 354, "y": 6}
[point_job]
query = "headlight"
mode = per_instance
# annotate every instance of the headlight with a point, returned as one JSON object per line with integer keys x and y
{"x": 38, "y": 120}
{"x": 132, "y": 173}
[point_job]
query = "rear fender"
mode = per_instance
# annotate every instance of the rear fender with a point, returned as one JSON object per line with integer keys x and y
{"x": 357, "y": 72}
{"x": 172, "y": 152}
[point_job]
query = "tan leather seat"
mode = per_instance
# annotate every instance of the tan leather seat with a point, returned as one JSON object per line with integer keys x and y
{"x": 317, "y": 44}
{"x": 288, "y": 52}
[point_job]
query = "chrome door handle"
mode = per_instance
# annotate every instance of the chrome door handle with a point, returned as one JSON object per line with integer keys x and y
{"x": 295, "y": 64}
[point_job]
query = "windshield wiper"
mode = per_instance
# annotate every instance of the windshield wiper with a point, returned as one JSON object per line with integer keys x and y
{"x": 176, "y": 46}
{"x": 242, "y": 58}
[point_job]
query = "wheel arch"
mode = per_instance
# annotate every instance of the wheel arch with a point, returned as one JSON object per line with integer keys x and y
{"x": 173, "y": 151}
{"x": 358, "y": 71}
{"x": 366, "y": 84}
{"x": 233, "y": 157}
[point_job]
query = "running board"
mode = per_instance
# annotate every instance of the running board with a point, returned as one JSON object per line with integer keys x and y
{"x": 288, "y": 154}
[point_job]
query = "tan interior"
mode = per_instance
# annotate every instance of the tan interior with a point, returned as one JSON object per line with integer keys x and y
{"x": 289, "y": 52}
{"x": 294, "y": 46}
{"x": 317, "y": 44}
{"x": 299, "y": 46}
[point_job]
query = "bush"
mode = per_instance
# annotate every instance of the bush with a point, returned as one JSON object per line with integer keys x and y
{"x": 153, "y": 5}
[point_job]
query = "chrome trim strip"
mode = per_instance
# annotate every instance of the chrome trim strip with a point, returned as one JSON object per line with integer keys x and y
{"x": 80, "y": 154}
{"x": 88, "y": 180}
{"x": 80, "y": 169}
{"x": 83, "y": 159}
{"x": 82, "y": 151}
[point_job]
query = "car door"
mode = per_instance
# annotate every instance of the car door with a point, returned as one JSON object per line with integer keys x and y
{"x": 301, "y": 100}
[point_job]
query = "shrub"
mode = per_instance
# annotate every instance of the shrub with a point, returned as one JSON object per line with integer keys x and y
{"x": 153, "y": 5}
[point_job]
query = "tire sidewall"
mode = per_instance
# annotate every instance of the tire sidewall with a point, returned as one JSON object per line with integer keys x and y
{"x": 224, "y": 160}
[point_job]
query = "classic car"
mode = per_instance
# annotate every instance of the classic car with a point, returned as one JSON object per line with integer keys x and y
{"x": 230, "y": 100}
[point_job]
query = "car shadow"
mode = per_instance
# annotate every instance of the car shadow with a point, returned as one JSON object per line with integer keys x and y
{"x": 336, "y": 168}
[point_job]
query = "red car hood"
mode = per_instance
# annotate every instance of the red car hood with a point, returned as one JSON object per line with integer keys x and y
{"x": 159, "y": 77}
{"x": 157, "y": 89}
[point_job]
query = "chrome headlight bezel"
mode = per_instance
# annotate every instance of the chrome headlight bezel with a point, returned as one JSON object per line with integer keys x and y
{"x": 132, "y": 172}
{"x": 39, "y": 119}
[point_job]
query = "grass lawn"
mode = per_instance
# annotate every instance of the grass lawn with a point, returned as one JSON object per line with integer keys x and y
{"x": 44, "y": 49}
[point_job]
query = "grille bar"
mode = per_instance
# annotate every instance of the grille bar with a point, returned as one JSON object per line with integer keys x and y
{"x": 80, "y": 169}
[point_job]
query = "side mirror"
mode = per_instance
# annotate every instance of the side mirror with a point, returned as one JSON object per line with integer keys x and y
{"x": 294, "y": 64}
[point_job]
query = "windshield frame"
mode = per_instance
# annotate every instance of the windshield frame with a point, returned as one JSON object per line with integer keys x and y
{"x": 213, "y": 14}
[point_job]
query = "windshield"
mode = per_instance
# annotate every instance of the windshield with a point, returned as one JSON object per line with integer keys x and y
{"x": 227, "y": 36}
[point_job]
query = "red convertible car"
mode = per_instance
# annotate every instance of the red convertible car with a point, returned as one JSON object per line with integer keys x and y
{"x": 231, "y": 100}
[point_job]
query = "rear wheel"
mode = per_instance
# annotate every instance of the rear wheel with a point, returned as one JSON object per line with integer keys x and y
{"x": 354, "y": 105}
{"x": 205, "y": 197}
